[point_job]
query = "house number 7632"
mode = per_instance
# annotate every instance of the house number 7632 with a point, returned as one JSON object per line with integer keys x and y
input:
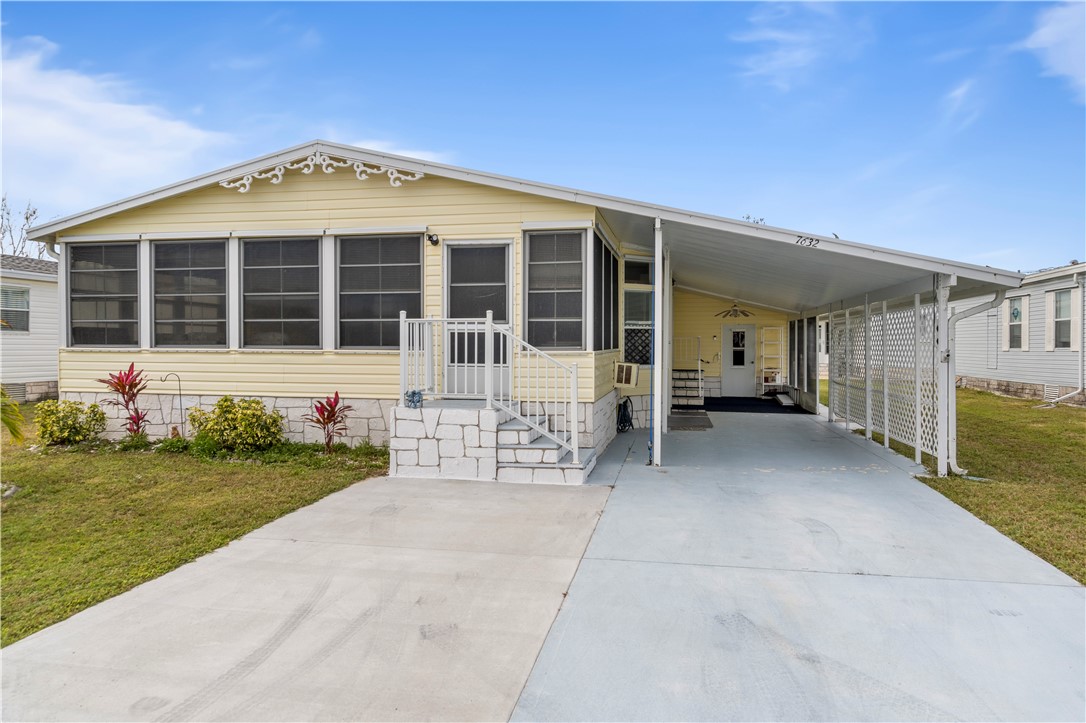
{"x": 806, "y": 241}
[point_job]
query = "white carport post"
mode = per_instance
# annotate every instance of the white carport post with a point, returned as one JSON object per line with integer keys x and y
{"x": 658, "y": 346}
{"x": 943, "y": 383}
{"x": 885, "y": 382}
{"x": 867, "y": 368}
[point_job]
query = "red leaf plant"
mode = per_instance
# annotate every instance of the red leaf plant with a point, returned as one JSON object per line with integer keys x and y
{"x": 127, "y": 385}
{"x": 330, "y": 416}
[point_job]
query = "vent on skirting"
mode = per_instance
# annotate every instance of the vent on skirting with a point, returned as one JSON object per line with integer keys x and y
{"x": 16, "y": 391}
{"x": 1052, "y": 392}
{"x": 625, "y": 374}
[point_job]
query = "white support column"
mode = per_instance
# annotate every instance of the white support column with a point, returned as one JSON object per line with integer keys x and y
{"x": 146, "y": 303}
{"x": 916, "y": 378}
{"x": 668, "y": 336}
{"x": 867, "y": 368}
{"x": 405, "y": 348}
{"x": 885, "y": 381}
{"x": 588, "y": 329}
{"x": 328, "y": 292}
{"x": 944, "y": 385}
{"x": 488, "y": 360}
{"x": 233, "y": 292}
{"x": 658, "y": 346}
{"x": 829, "y": 355}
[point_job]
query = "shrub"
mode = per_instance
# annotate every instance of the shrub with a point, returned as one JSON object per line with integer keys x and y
{"x": 134, "y": 442}
{"x": 68, "y": 422}
{"x": 127, "y": 384}
{"x": 329, "y": 416}
{"x": 173, "y": 445}
{"x": 244, "y": 425}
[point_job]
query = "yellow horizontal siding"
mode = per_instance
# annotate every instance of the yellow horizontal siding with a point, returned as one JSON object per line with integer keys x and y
{"x": 695, "y": 315}
{"x": 248, "y": 373}
{"x": 605, "y": 372}
{"x": 449, "y": 207}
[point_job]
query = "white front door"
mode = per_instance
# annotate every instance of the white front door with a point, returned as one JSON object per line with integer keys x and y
{"x": 737, "y": 361}
{"x": 478, "y": 281}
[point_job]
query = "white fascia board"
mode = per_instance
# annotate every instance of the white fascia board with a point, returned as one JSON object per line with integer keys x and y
{"x": 1068, "y": 271}
{"x": 664, "y": 213}
{"x": 98, "y": 237}
{"x": 27, "y": 275}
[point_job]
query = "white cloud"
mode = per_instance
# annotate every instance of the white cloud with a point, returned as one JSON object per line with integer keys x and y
{"x": 398, "y": 150}
{"x": 793, "y": 38}
{"x": 1059, "y": 40}
{"x": 73, "y": 140}
{"x": 961, "y": 105}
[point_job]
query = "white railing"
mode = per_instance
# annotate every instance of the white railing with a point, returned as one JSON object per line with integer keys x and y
{"x": 686, "y": 354}
{"x": 478, "y": 359}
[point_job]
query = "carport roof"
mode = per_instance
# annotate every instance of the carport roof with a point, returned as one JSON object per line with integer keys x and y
{"x": 763, "y": 265}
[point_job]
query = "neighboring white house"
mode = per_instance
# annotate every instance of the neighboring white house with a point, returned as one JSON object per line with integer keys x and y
{"x": 1031, "y": 344}
{"x": 29, "y": 332}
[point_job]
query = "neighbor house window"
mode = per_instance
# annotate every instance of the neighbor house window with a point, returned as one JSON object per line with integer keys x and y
{"x": 104, "y": 294}
{"x": 190, "y": 293}
{"x": 1059, "y": 332}
{"x": 1017, "y": 323}
{"x": 281, "y": 292}
{"x": 605, "y": 296}
{"x": 556, "y": 289}
{"x": 637, "y": 312}
{"x": 14, "y": 308}
{"x": 379, "y": 276}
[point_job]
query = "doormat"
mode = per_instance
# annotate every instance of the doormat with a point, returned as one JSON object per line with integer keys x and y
{"x": 750, "y": 405}
{"x": 693, "y": 421}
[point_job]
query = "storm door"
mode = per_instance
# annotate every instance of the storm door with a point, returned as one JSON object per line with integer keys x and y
{"x": 478, "y": 281}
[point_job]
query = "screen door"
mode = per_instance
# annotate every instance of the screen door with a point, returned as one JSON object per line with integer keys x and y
{"x": 478, "y": 282}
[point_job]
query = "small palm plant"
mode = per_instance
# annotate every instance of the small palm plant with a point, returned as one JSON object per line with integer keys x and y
{"x": 127, "y": 384}
{"x": 11, "y": 417}
{"x": 330, "y": 416}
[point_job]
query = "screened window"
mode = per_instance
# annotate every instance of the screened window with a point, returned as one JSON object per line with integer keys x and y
{"x": 14, "y": 308}
{"x": 281, "y": 292}
{"x": 379, "y": 276}
{"x": 104, "y": 294}
{"x": 637, "y": 312}
{"x": 605, "y": 297}
{"x": 190, "y": 293}
{"x": 1014, "y": 323}
{"x": 556, "y": 289}
{"x": 1061, "y": 319}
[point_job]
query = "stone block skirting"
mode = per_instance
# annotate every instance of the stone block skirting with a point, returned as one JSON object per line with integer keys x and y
{"x": 37, "y": 391}
{"x": 366, "y": 421}
{"x": 447, "y": 442}
{"x": 1024, "y": 390}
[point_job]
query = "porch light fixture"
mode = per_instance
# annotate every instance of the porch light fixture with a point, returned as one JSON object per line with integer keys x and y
{"x": 735, "y": 312}
{"x": 432, "y": 238}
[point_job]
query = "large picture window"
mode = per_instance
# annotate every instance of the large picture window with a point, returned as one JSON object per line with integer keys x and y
{"x": 190, "y": 293}
{"x": 605, "y": 296}
{"x": 14, "y": 308}
{"x": 104, "y": 294}
{"x": 281, "y": 292}
{"x": 379, "y": 276}
{"x": 556, "y": 290}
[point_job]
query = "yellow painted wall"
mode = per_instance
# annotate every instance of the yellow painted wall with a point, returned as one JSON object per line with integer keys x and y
{"x": 695, "y": 315}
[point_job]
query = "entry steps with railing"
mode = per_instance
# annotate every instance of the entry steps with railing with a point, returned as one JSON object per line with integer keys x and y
{"x": 526, "y": 455}
{"x": 687, "y": 388}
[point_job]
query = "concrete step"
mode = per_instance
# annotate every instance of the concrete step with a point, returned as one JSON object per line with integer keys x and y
{"x": 543, "y": 450}
{"x": 564, "y": 472}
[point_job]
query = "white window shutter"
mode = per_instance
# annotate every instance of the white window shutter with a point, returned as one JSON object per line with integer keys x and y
{"x": 1025, "y": 323}
{"x": 1050, "y": 321}
{"x": 1076, "y": 319}
{"x": 1005, "y": 312}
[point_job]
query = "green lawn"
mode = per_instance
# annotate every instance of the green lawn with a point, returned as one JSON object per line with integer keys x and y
{"x": 1033, "y": 462}
{"x": 86, "y": 525}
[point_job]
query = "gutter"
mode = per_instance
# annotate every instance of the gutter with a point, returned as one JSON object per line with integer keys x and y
{"x": 51, "y": 249}
{"x": 1081, "y": 278}
{"x": 952, "y": 416}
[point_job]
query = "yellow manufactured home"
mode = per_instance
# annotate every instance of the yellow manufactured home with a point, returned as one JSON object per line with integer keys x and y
{"x": 484, "y": 326}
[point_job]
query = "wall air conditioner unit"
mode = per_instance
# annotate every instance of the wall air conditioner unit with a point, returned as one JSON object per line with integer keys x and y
{"x": 625, "y": 374}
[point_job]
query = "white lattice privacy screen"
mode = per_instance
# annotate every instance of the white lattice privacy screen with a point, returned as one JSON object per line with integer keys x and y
{"x": 882, "y": 371}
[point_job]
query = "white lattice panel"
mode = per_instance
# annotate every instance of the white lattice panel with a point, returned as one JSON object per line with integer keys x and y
{"x": 837, "y": 364}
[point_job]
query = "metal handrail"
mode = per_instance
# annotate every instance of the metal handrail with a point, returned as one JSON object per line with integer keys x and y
{"x": 459, "y": 358}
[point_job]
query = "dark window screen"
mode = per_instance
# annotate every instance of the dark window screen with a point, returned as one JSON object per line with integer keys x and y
{"x": 281, "y": 292}
{"x": 556, "y": 290}
{"x": 605, "y": 296}
{"x": 190, "y": 293}
{"x": 379, "y": 276}
{"x": 104, "y": 294}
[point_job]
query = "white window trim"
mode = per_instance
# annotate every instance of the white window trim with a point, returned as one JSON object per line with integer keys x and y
{"x": 587, "y": 266}
{"x": 1075, "y": 319}
{"x": 1006, "y": 313}
{"x": 446, "y": 265}
{"x": 17, "y": 287}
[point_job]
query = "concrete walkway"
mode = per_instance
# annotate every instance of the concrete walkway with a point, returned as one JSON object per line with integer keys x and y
{"x": 781, "y": 569}
{"x": 390, "y": 600}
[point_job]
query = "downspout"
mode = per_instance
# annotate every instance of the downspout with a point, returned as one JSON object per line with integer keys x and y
{"x": 1081, "y": 278}
{"x": 51, "y": 249}
{"x": 952, "y": 417}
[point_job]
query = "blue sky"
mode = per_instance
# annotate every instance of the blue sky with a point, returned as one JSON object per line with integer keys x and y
{"x": 950, "y": 129}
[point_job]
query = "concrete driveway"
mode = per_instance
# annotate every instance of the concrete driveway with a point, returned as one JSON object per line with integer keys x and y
{"x": 782, "y": 569}
{"x": 391, "y": 600}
